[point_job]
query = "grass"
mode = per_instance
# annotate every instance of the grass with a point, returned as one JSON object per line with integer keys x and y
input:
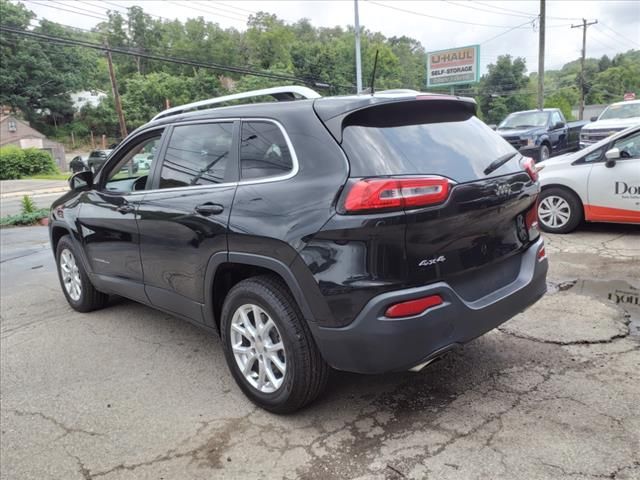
{"x": 50, "y": 176}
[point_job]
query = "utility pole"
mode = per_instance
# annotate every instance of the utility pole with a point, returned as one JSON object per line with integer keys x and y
{"x": 541, "y": 56}
{"x": 358, "y": 59}
{"x": 584, "y": 53}
{"x": 116, "y": 95}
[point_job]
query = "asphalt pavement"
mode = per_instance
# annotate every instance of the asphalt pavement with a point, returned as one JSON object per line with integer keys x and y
{"x": 131, "y": 393}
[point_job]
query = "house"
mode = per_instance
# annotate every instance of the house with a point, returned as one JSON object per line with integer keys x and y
{"x": 14, "y": 131}
{"x": 87, "y": 97}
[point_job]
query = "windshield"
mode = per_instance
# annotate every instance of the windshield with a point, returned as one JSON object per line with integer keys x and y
{"x": 629, "y": 110}
{"x": 460, "y": 150}
{"x": 525, "y": 119}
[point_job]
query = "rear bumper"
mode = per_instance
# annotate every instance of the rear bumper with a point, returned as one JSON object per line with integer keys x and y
{"x": 373, "y": 343}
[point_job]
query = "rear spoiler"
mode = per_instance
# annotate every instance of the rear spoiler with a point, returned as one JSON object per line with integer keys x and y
{"x": 383, "y": 109}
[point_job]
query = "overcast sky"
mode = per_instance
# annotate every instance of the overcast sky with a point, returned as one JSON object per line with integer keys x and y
{"x": 618, "y": 28}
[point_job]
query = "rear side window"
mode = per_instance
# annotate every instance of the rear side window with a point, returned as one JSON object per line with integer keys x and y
{"x": 263, "y": 151}
{"x": 417, "y": 141}
{"x": 197, "y": 155}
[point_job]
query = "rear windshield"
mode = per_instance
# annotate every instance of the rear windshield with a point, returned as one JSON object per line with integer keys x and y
{"x": 458, "y": 148}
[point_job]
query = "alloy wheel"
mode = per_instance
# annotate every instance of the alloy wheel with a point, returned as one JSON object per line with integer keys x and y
{"x": 70, "y": 275}
{"x": 554, "y": 211}
{"x": 258, "y": 348}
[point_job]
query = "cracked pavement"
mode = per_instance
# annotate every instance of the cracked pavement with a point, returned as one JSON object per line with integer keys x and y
{"x": 132, "y": 393}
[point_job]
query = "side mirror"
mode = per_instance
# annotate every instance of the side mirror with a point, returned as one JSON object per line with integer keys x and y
{"x": 594, "y": 119}
{"x": 611, "y": 156}
{"x": 558, "y": 125}
{"x": 81, "y": 180}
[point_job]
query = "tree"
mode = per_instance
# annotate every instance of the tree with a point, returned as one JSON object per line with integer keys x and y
{"x": 505, "y": 89}
{"x": 37, "y": 76}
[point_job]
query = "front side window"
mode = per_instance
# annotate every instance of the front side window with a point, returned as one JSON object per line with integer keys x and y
{"x": 132, "y": 172}
{"x": 629, "y": 146}
{"x": 555, "y": 119}
{"x": 197, "y": 155}
{"x": 263, "y": 151}
{"x": 594, "y": 156}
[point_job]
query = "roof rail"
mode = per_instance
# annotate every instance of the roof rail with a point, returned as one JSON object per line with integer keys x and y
{"x": 279, "y": 93}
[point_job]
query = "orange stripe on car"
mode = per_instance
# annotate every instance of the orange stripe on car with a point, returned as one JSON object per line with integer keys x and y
{"x": 608, "y": 214}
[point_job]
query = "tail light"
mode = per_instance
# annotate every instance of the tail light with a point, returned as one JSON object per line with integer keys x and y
{"x": 530, "y": 167}
{"x": 542, "y": 254}
{"x": 531, "y": 221}
{"x": 413, "y": 307}
{"x": 390, "y": 193}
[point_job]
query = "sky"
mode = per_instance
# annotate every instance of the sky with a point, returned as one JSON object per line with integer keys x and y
{"x": 437, "y": 24}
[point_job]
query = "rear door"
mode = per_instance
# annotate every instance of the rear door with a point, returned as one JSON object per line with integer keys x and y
{"x": 183, "y": 220}
{"x": 614, "y": 192}
{"x": 471, "y": 238}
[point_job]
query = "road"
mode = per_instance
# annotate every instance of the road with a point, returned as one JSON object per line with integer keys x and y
{"x": 131, "y": 393}
{"x": 43, "y": 193}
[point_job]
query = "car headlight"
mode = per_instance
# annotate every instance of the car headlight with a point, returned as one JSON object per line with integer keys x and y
{"x": 530, "y": 142}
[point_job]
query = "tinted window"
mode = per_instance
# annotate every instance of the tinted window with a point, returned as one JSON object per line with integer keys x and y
{"x": 197, "y": 155}
{"x": 459, "y": 150}
{"x": 629, "y": 146}
{"x": 132, "y": 171}
{"x": 263, "y": 151}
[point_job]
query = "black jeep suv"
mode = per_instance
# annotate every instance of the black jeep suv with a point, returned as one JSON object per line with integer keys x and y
{"x": 363, "y": 233}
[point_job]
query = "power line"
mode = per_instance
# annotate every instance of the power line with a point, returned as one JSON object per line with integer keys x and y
{"x": 163, "y": 58}
{"x": 444, "y": 19}
{"x": 66, "y": 10}
{"x": 636, "y": 43}
{"x": 507, "y": 31}
{"x": 603, "y": 32}
{"x": 470, "y": 5}
{"x": 209, "y": 12}
{"x": 502, "y": 8}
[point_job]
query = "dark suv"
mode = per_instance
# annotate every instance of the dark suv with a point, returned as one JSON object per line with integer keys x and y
{"x": 363, "y": 233}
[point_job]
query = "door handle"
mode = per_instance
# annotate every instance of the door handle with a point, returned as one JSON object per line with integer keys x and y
{"x": 207, "y": 209}
{"x": 126, "y": 208}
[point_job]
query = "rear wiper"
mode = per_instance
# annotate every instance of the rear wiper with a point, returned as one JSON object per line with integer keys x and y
{"x": 498, "y": 162}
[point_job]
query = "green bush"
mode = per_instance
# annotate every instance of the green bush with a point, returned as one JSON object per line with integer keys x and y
{"x": 16, "y": 162}
{"x": 27, "y": 205}
{"x": 24, "y": 218}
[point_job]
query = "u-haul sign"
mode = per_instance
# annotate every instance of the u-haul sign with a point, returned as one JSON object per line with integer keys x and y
{"x": 454, "y": 66}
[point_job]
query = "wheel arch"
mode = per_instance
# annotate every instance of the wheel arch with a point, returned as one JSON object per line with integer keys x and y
{"x": 57, "y": 232}
{"x": 568, "y": 189}
{"x": 225, "y": 270}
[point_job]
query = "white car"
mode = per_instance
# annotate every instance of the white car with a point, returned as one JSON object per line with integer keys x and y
{"x": 598, "y": 184}
{"x": 615, "y": 118}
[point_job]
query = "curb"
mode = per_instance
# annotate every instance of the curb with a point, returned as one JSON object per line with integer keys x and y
{"x": 34, "y": 193}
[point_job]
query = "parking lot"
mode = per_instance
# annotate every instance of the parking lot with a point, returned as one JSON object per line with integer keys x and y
{"x": 131, "y": 393}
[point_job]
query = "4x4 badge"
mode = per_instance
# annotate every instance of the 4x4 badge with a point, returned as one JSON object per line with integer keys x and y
{"x": 432, "y": 261}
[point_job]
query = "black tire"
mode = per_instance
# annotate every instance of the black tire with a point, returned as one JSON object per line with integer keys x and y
{"x": 576, "y": 212}
{"x": 544, "y": 153}
{"x": 306, "y": 371}
{"x": 89, "y": 299}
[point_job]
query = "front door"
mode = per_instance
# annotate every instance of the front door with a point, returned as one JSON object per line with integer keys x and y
{"x": 614, "y": 192}
{"x": 108, "y": 222}
{"x": 183, "y": 220}
{"x": 558, "y": 135}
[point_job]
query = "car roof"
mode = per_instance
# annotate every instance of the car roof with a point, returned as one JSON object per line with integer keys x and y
{"x": 536, "y": 110}
{"x": 327, "y": 107}
{"x": 625, "y": 102}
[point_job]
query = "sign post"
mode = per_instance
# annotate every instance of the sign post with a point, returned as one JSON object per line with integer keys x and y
{"x": 455, "y": 66}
